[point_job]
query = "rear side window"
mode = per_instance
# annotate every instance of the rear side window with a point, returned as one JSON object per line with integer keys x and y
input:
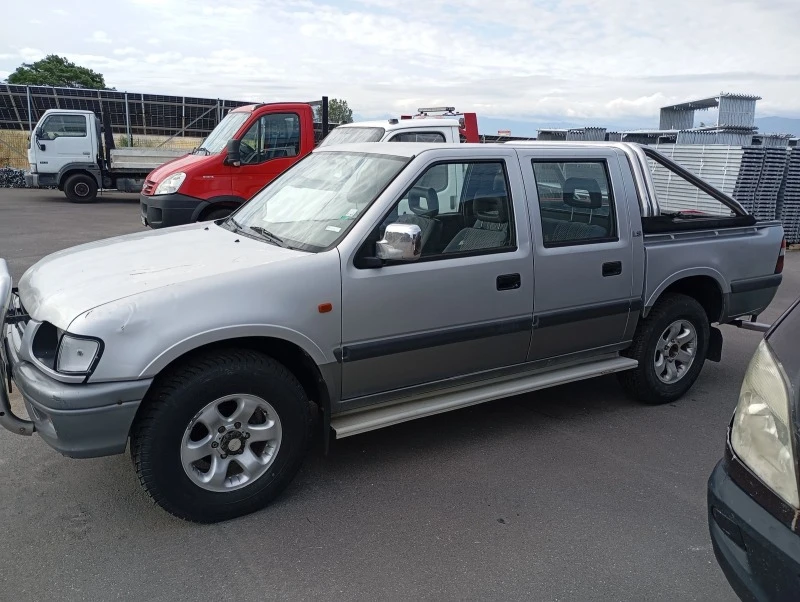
{"x": 576, "y": 202}
{"x": 61, "y": 126}
{"x": 418, "y": 137}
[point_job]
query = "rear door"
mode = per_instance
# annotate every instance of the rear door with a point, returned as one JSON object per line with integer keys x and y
{"x": 268, "y": 147}
{"x": 584, "y": 272}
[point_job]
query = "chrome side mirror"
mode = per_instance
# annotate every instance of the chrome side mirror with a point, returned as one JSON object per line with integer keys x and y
{"x": 401, "y": 242}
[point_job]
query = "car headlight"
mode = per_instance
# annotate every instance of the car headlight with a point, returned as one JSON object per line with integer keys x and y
{"x": 171, "y": 184}
{"x": 77, "y": 355}
{"x": 762, "y": 435}
{"x": 33, "y": 167}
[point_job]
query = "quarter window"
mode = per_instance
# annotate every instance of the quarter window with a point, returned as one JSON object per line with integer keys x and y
{"x": 271, "y": 137}
{"x": 575, "y": 202}
{"x": 64, "y": 126}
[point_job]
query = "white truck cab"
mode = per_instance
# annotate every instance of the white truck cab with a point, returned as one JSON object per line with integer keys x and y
{"x": 67, "y": 152}
{"x": 396, "y": 130}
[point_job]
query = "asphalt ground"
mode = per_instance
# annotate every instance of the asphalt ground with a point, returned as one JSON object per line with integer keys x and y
{"x": 573, "y": 493}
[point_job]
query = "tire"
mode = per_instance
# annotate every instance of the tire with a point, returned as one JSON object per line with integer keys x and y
{"x": 216, "y": 214}
{"x": 81, "y": 188}
{"x": 161, "y": 435}
{"x": 654, "y": 353}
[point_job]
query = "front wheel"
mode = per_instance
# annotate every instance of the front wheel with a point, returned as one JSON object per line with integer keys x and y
{"x": 81, "y": 188}
{"x": 671, "y": 346}
{"x": 221, "y": 436}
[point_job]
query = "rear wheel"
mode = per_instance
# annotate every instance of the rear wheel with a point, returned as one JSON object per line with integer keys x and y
{"x": 671, "y": 345}
{"x": 81, "y": 188}
{"x": 221, "y": 436}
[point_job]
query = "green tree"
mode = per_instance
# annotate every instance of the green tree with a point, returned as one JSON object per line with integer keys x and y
{"x": 338, "y": 111}
{"x": 56, "y": 71}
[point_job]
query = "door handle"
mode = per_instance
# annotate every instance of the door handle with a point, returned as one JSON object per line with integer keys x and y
{"x": 612, "y": 268}
{"x": 508, "y": 282}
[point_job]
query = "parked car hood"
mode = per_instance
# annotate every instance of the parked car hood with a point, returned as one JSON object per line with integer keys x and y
{"x": 65, "y": 284}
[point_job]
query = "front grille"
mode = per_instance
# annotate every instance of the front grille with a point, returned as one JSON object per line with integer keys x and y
{"x": 149, "y": 187}
{"x": 16, "y": 314}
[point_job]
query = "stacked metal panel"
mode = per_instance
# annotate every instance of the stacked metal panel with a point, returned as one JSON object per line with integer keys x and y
{"x": 718, "y": 165}
{"x": 769, "y": 183}
{"x": 789, "y": 197}
{"x": 748, "y": 178}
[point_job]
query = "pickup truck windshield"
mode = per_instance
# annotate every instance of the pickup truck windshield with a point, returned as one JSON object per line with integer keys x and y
{"x": 224, "y": 131}
{"x": 351, "y": 135}
{"x": 313, "y": 204}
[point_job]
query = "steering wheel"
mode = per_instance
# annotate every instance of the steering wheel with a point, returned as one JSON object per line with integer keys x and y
{"x": 246, "y": 152}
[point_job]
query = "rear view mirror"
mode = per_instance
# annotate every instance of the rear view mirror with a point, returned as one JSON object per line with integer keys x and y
{"x": 401, "y": 242}
{"x": 234, "y": 153}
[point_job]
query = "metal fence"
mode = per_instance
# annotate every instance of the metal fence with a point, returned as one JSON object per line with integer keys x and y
{"x": 135, "y": 118}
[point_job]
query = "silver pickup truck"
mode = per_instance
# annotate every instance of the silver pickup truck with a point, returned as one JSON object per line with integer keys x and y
{"x": 369, "y": 285}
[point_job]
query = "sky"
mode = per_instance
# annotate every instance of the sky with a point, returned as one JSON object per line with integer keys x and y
{"x": 549, "y": 61}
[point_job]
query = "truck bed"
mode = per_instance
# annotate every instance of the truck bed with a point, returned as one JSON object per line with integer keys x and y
{"x": 740, "y": 259}
{"x": 137, "y": 160}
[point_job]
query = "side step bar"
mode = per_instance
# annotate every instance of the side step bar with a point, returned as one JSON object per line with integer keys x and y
{"x": 379, "y": 417}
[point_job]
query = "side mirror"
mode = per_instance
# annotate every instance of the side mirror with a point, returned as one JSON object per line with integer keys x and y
{"x": 401, "y": 242}
{"x": 40, "y": 134}
{"x": 234, "y": 153}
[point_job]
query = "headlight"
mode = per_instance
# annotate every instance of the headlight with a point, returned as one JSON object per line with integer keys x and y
{"x": 33, "y": 167}
{"x": 762, "y": 434}
{"x": 76, "y": 355}
{"x": 171, "y": 184}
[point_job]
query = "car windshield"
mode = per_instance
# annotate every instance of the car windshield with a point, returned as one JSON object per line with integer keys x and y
{"x": 314, "y": 204}
{"x": 219, "y": 136}
{"x": 349, "y": 135}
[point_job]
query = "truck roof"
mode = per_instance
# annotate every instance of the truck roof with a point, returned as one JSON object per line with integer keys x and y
{"x": 404, "y": 124}
{"x": 70, "y": 111}
{"x": 409, "y": 149}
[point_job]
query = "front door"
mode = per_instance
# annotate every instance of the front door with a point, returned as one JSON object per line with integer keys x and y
{"x": 65, "y": 139}
{"x": 465, "y": 306}
{"x": 584, "y": 260}
{"x": 270, "y": 145}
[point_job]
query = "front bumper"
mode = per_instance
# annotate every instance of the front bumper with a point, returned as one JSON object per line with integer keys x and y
{"x": 78, "y": 420}
{"x": 165, "y": 210}
{"x": 31, "y": 180}
{"x": 759, "y": 554}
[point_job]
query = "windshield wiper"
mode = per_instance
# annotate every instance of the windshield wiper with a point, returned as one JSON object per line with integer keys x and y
{"x": 264, "y": 233}
{"x": 201, "y": 148}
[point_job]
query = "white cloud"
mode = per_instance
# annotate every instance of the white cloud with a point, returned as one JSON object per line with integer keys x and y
{"x": 127, "y": 50}
{"x": 101, "y": 37}
{"x": 560, "y": 59}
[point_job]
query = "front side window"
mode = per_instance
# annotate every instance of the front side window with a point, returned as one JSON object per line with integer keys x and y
{"x": 273, "y": 136}
{"x": 314, "y": 204}
{"x": 418, "y": 137}
{"x": 351, "y": 135}
{"x": 225, "y": 130}
{"x": 64, "y": 126}
{"x": 482, "y": 221}
{"x": 575, "y": 202}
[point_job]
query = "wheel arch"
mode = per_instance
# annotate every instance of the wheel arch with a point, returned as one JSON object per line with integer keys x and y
{"x": 71, "y": 169}
{"x": 219, "y": 202}
{"x": 705, "y": 285}
{"x": 318, "y": 378}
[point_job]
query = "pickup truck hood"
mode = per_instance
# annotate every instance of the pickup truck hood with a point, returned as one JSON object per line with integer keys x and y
{"x": 68, "y": 283}
{"x": 187, "y": 162}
